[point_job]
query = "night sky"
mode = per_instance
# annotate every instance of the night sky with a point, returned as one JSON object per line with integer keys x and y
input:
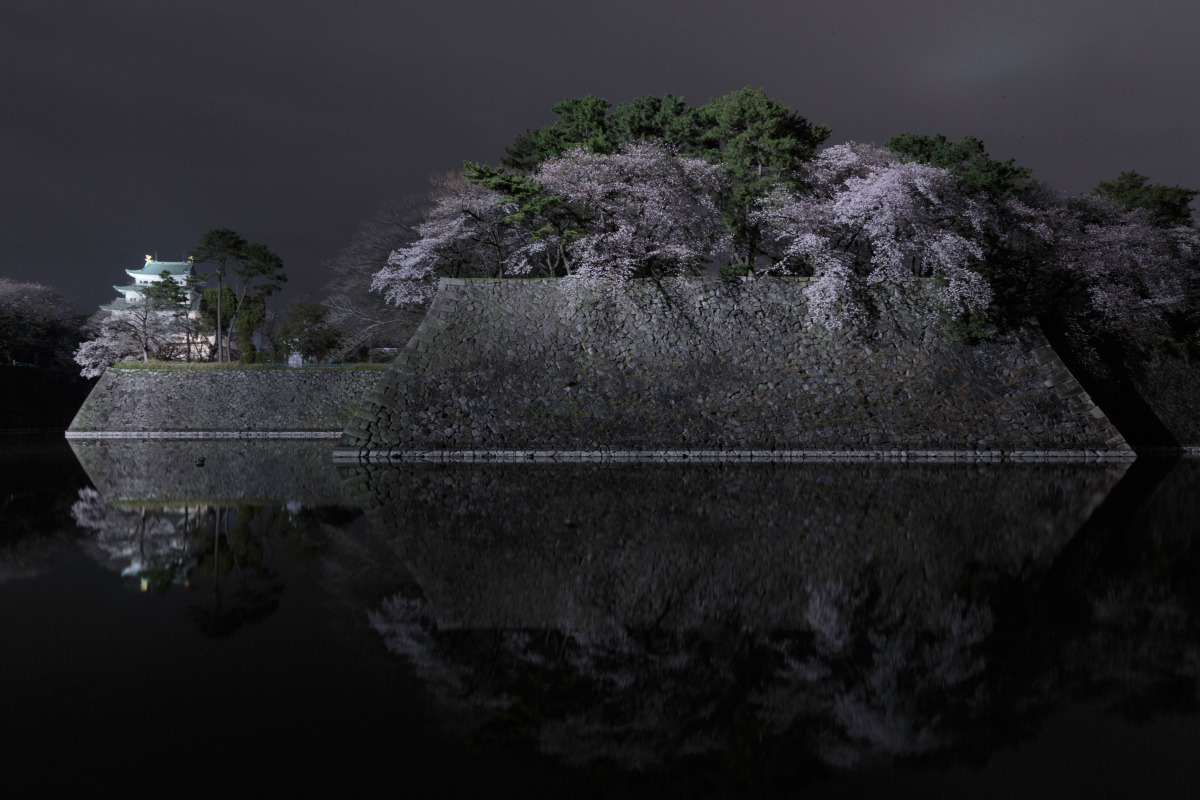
{"x": 132, "y": 127}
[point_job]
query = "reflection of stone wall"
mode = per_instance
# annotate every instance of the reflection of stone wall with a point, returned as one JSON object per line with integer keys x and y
{"x": 137, "y": 400}
{"x": 158, "y": 470}
{"x": 573, "y": 546}
{"x": 697, "y": 364}
{"x": 659, "y": 615}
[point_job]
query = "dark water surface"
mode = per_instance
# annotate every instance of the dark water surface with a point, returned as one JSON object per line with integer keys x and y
{"x": 180, "y": 617}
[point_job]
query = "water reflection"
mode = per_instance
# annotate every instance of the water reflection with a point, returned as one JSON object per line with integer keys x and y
{"x": 745, "y": 546}
{"x": 37, "y": 487}
{"x": 167, "y": 470}
{"x": 642, "y": 614}
{"x": 227, "y": 559}
{"x": 149, "y": 544}
{"x": 717, "y": 624}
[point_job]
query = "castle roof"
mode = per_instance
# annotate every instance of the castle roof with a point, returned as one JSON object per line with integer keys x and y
{"x": 157, "y": 268}
{"x": 120, "y": 304}
{"x": 153, "y": 270}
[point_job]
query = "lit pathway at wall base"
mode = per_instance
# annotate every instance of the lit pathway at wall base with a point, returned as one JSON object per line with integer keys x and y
{"x": 203, "y": 434}
{"x": 355, "y": 456}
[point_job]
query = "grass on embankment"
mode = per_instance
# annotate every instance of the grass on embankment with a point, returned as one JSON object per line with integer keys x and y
{"x": 237, "y": 365}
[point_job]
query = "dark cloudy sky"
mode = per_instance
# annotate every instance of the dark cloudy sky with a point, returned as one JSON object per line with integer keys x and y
{"x": 132, "y": 127}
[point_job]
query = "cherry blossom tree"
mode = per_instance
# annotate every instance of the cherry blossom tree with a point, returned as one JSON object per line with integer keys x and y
{"x": 463, "y": 235}
{"x": 597, "y": 220}
{"x": 1099, "y": 270}
{"x": 647, "y": 213}
{"x": 149, "y": 328}
{"x": 1112, "y": 276}
{"x": 869, "y": 219}
{"x": 857, "y": 218}
{"x": 142, "y": 332}
{"x": 111, "y": 344}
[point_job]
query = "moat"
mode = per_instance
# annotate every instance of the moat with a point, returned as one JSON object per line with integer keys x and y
{"x": 818, "y": 629}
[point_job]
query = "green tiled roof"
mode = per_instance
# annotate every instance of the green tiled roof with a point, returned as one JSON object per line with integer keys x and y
{"x": 157, "y": 268}
{"x": 120, "y": 304}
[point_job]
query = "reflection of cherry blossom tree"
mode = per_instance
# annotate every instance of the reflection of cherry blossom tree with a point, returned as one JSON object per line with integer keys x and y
{"x": 219, "y": 554}
{"x": 872, "y": 680}
{"x": 154, "y": 543}
{"x": 882, "y": 680}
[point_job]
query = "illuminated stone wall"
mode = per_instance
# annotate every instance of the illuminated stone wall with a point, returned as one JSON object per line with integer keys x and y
{"x": 133, "y": 400}
{"x": 705, "y": 364}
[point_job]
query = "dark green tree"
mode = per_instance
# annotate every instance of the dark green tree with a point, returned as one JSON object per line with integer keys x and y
{"x": 252, "y": 314}
{"x": 222, "y": 248}
{"x": 172, "y": 297}
{"x": 968, "y": 161}
{"x": 305, "y": 330}
{"x": 1167, "y": 206}
{"x": 759, "y": 140}
{"x": 762, "y": 144}
{"x": 582, "y": 122}
{"x": 537, "y": 210}
{"x": 210, "y": 300}
{"x": 259, "y": 275}
{"x": 665, "y": 118}
{"x": 168, "y": 293}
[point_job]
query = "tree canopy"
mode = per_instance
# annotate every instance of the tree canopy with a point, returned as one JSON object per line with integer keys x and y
{"x": 149, "y": 328}
{"x": 257, "y": 273}
{"x": 654, "y": 188}
{"x": 37, "y": 324}
{"x": 364, "y": 319}
{"x": 1166, "y": 206}
{"x": 757, "y": 139}
{"x": 306, "y": 330}
{"x": 220, "y": 247}
{"x": 643, "y": 211}
{"x": 968, "y": 161}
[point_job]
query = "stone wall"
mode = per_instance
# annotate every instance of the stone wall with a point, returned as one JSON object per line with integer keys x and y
{"x": 216, "y": 400}
{"x": 705, "y": 364}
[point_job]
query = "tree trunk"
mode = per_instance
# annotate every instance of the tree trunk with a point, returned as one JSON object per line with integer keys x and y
{"x": 220, "y": 291}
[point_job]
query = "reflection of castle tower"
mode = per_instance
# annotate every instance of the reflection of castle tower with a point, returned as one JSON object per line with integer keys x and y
{"x": 152, "y": 272}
